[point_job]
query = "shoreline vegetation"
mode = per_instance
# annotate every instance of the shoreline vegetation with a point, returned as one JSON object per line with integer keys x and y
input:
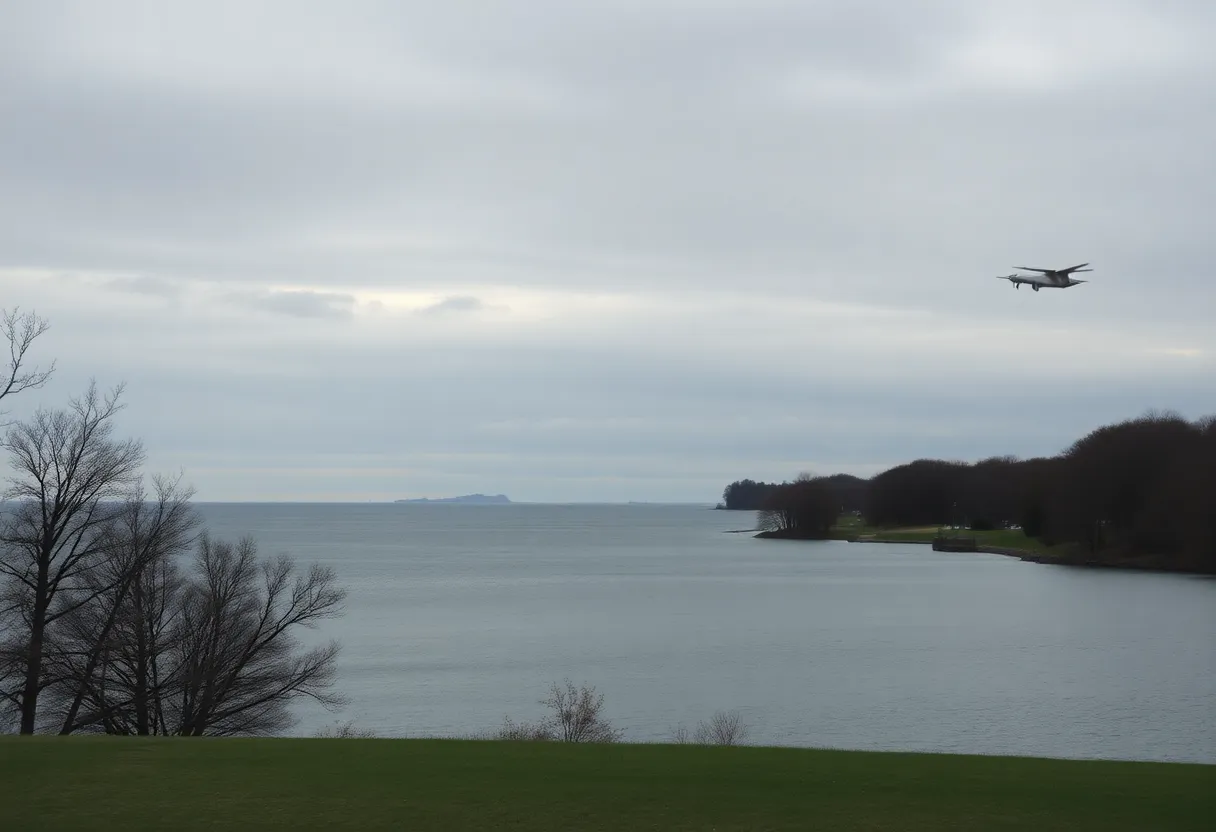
{"x": 1139, "y": 494}
{"x": 441, "y": 784}
{"x": 991, "y": 544}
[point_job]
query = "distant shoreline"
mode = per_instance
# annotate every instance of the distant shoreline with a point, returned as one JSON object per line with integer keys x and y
{"x": 1146, "y": 563}
{"x": 466, "y": 499}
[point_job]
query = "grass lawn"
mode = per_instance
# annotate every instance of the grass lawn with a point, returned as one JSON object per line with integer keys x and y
{"x": 135, "y": 783}
{"x": 1003, "y": 538}
{"x": 849, "y": 526}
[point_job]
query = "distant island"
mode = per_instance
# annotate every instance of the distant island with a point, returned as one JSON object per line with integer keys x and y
{"x": 473, "y": 499}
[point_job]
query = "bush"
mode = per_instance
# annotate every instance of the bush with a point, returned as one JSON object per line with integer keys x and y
{"x": 524, "y": 731}
{"x": 345, "y": 731}
{"x": 723, "y": 728}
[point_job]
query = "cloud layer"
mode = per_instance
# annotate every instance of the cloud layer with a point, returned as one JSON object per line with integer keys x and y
{"x": 607, "y": 250}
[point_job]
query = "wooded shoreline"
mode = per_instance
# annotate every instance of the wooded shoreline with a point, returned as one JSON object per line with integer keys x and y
{"x": 1140, "y": 563}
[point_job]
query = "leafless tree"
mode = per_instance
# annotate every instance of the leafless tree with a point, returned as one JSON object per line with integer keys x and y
{"x": 21, "y": 330}
{"x": 576, "y": 717}
{"x": 576, "y": 714}
{"x": 723, "y": 728}
{"x": 207, "y": 653}
{"x": 65, "y": 467}
{"x": 107, "y": 656}
{"x": 238, "y": 664}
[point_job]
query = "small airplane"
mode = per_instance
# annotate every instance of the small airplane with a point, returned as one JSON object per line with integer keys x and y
{"x": 1050, "y": 278}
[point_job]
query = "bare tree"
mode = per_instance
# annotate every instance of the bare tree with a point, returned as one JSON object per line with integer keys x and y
{"x": 576, "y": 714}
{"x": 107, "y": 655}
{"x": 238, "y": 665}
{"x": 65, "y": 466}
{"x": 21, "y": 330}
{"x": 575, "y": 717}
{"x": 723, "y": 728}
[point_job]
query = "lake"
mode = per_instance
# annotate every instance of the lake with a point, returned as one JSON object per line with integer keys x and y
{"x": 460, "y": 615}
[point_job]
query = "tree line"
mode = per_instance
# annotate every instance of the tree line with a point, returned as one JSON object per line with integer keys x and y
{"x": 749, "y": 495}
{"x": 118, "y": 613}
{"x": 1143, "y": 488}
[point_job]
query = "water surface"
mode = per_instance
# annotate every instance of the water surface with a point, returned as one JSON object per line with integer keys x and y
{"x": 459, "y": 615}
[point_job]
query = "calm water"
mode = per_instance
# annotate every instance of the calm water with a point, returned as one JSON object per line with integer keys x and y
{"x": 459, "y": 615}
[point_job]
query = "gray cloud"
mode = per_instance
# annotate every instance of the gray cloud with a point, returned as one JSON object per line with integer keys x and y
{"x": 458, "y": 303}
{"x": 702, "y": 240}
{"x": 152, "y": 286}
{"x": 300, "y": 303}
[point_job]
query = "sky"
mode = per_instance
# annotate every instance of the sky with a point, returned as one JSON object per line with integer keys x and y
{"x": 606, "y": 251}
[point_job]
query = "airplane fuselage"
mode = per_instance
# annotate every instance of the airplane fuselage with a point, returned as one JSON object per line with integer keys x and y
{"x": 1041, "y": 281}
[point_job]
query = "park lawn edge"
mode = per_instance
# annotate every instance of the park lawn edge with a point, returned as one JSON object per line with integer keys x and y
{"x": 139, "y": 782}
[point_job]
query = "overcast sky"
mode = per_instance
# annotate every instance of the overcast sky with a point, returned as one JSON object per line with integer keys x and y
{"x": 626, "y": 250}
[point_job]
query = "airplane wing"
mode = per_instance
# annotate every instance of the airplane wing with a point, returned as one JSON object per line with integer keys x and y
{"x": 1069, "y": 270}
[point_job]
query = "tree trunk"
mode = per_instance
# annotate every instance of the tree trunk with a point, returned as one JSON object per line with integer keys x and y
{"x": 140, "y": 702}
{"x": 33, "y": 673}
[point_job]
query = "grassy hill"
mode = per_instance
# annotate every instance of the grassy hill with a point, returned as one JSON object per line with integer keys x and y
{"x": 85, "y": 783}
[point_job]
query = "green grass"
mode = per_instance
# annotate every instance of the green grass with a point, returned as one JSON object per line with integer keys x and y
{"x": 1014, "y": 539}
{"x": 850, "y": 522}
{"x": 1003, "y": 538}
{"x": 849, "y": 526}
{"x": 84, "y": 783}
